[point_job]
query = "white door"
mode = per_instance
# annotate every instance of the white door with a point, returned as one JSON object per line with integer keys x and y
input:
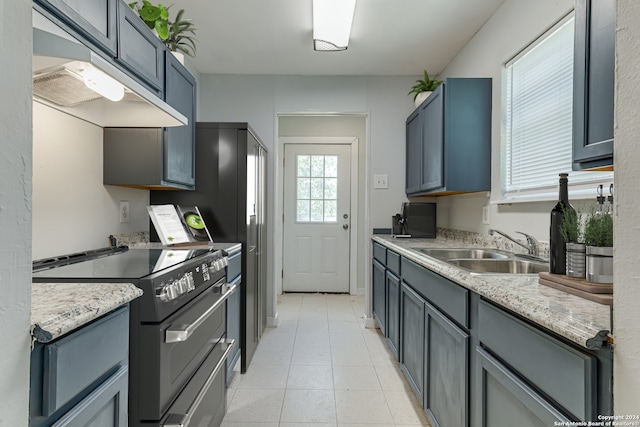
{"x": 317, "y": 218}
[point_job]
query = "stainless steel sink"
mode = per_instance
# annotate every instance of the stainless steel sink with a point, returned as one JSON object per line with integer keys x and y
{"x": 447, "y": 254}
{"x": 500, "y": 266}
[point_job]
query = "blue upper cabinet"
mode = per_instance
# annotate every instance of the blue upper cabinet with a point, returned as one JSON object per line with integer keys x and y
{"x": 179, "y": 144}
{"x": 94, "y": 20}
{"x": 139, "y": 49}
{"x": 449, "y": 140}
{"x": 593, "y": 84}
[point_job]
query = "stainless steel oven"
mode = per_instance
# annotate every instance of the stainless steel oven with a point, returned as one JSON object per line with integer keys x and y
{"x": 177, "y": 330}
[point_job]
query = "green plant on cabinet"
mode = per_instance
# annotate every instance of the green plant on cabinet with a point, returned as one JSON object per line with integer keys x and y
{"x": 425, "y": 85}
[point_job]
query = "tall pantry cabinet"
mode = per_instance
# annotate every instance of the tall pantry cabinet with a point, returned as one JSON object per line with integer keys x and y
{"x": 230, "y": 194}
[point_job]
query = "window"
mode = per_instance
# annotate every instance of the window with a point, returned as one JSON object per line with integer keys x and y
{"x": 537, "y": 104}
{"x": 317, "y": 188}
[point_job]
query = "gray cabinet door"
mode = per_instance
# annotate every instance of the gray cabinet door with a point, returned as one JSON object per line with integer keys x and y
{"x": 412, "y": 339}
{"x": 413, "y": 178}
{"x": 139, "y": 50}
{"x": 449, "y": 139}
{"x": 446, "y": 371}
{"x": 93, "y": 19}
{"x": 179, "y": 143}
{"x": 433, "y": 140}
{"x": 505, "y": 398}
{"x": 393, "y": 312}
{"x": 106, "y": 406}
{"x": 378, "y": 286}
{"x": 594, "y": 76}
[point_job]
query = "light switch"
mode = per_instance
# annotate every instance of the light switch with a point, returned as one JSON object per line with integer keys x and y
{"x": 380, "y": 181}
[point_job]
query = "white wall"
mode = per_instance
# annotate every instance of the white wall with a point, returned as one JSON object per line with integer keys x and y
{"x": 15, "y": 211}
{"x": 258, "y": 99}
{"x": 72, "y": 209}
{"x": 626, "y": 270}
{"x": 516, "y": 24}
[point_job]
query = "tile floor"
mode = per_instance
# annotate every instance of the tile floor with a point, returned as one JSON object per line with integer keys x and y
{"x": 321, "y": 367}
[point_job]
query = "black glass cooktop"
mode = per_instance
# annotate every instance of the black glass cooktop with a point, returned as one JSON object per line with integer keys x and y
{"x": 130, "y": 264}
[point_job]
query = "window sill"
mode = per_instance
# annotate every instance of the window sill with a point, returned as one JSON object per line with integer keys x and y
{"x": 576, "y": 192}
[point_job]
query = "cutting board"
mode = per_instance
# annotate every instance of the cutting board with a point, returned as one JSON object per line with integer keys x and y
{"x": 594, "y": 291}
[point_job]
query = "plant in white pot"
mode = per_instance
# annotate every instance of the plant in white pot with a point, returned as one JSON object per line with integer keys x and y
{"x": 423, "y": 88}
{"x": 573, "y": 235}
{"x": 598, "y": 236}
{"x": 177, "y": 35}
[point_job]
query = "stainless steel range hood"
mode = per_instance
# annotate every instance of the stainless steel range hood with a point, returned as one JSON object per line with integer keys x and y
{"x": 59, "y": 64}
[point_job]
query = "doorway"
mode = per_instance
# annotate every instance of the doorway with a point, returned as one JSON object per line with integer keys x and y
{"x": 317, "y": 217}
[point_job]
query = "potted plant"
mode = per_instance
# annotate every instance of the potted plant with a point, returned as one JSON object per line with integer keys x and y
{"x": 181, "y": 36}
{"x": 156, "y": 17}
{"x": 572, "y": 233}
{"x": 423, "y": 88}
{"x": 598, "y": 236}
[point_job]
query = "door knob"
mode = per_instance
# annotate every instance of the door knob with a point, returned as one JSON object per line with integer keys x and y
{"x": 345, "y": 226}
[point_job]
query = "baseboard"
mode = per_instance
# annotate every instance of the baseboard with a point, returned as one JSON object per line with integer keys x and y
{"x": 272, "y": 322}
{"x": 370, "y": 323}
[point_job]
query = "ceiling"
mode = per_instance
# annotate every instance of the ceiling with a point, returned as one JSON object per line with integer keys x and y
{"x": 389, "y": 37}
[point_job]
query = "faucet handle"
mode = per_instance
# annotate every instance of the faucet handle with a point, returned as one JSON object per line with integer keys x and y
{"x": 532, "y": 242}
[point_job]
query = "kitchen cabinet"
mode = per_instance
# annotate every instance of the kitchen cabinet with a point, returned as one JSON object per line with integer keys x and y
{"x": 472, "y": 363}
{"x": 412, "y": 333}
{"x": 139, "y": 50}
{"x": 156, "y": 158}
{"x": 82, "y": 378}
{"x": 448, "y": 140}
{"x": 593, "y": 84}
{"x": 234, "y": 277}
{"x": 179, "y": 143}
{"x": 537, "y": 371}
{"x": 94, "y": 20}
{"x": 393, "y": 312}
{"x": 379, "y": 295}
{"x": 446, "y": 370}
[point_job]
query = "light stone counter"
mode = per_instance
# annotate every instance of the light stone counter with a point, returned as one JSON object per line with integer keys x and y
{"x": 582, "y": 321}
{"x": 59, "y": 308}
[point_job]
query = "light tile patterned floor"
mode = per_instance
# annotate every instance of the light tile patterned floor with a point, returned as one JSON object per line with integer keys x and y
{"x": 320, "y": 367}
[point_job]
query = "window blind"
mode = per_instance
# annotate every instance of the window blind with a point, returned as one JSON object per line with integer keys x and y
{"x": 537, "y": 97}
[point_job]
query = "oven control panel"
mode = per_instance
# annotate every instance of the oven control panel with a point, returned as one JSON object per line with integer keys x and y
{"x": 209, "y": 270}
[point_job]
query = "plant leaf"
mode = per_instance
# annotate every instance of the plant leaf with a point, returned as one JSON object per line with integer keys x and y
{"x": 163, "y": 30}
{"x": 149, "y": 13}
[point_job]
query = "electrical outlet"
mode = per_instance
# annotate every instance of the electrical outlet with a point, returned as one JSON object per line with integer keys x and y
{"x": 381, "y": 181}
{"x": 485, "y": 214}
{"x": 124, "y": 211}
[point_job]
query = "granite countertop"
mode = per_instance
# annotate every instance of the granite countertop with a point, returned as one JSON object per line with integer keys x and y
{"x": 582, "y": 321}
{"x": 59, "y": 308}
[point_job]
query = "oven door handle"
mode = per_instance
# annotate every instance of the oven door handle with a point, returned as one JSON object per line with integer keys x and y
{"x": 183, "y": 420}
{"x": 181, "y": 333}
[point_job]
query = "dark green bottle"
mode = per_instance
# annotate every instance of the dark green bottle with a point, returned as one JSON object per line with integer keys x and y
{"x": 557, "y": 251}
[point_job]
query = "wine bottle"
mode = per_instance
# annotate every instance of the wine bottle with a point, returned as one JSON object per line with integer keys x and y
{"x": 557, "y": 251}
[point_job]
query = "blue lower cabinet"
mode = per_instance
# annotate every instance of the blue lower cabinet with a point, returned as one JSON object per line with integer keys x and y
{"x": 379, "y": 295}
{"x": 105, "y": 406}
{"x": 81, "y": 379}
{"x": 505, "y": 398}
{"x": 446, "y": 371}
{"x": 412, "y": 335}
{"x": 393, "y": 312}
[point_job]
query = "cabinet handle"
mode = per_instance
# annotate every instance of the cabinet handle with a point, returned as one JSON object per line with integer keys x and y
{"x": 183, "y": 420}
{"x": 181, "y": 333}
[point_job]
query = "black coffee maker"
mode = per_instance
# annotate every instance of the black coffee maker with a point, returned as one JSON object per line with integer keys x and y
{"x": 416, "y": 220}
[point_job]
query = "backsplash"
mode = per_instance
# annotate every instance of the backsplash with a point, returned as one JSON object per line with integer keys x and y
{"x": 485, "y": 240}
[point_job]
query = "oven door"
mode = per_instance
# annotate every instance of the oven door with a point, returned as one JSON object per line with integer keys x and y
{"x": 169, "y": 353}
{"x": 203, "y": 401}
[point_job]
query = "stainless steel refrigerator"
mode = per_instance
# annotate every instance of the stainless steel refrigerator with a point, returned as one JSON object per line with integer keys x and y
{"x": 230, "y": 193}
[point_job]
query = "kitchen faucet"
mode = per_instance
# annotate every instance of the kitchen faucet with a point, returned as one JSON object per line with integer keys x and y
{"x": 532, "y": 242}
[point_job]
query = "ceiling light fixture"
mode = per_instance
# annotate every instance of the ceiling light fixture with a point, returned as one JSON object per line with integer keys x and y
{"x": 332, "y": 21}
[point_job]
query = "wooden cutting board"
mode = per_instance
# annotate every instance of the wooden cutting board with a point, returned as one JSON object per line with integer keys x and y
{"x": 599, "y": 298}
{"x": 576, "y": 283}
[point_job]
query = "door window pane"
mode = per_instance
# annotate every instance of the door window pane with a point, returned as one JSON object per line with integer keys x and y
{"x": 317, "y": 188}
